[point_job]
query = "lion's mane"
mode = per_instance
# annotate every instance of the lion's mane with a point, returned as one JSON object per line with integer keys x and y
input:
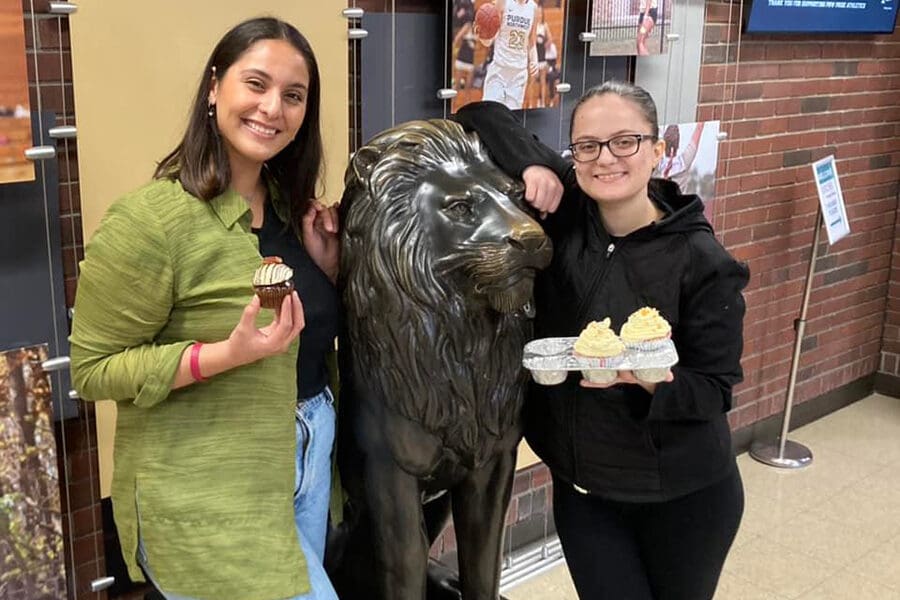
{"x": 439, "y": 359}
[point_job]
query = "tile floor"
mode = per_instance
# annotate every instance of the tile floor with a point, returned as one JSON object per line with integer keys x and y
{"x": 830, "y": 531}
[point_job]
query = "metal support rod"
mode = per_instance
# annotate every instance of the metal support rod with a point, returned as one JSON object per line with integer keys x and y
{"x": 801, "y": 329}
{"x": 102, "y": 583}
{"x": 799, "y": 455}
{"x": 57, "y": 363}
{"x": 63, "y": 132}
{"x": 63, "y": 8}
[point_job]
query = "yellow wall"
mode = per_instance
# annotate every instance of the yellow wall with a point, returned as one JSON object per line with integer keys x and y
{"x": 136, "y": 66}
{"x": 526, "y": 457}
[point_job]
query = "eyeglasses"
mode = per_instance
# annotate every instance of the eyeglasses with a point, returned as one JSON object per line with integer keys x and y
{"x": 620, "y": 146}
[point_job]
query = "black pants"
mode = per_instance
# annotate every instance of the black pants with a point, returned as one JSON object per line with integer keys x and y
{"x": 648, "y": 551}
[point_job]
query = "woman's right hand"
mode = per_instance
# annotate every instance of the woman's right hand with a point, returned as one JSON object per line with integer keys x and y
{"x": 248, "y": 344}
{"x": 543, "y": 189}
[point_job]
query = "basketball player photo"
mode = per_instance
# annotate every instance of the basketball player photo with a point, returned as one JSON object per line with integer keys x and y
{"x": 504, "y": 51}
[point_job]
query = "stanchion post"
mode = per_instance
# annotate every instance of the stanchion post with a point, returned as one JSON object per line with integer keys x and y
{"x": 787, "y": 454}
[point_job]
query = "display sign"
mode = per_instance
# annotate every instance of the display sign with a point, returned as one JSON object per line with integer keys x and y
{"x": 15, "y": 114}
{"x": 507, "y": 51}
{"x": 831, "y": 199}
{"x": 822, "y": 16}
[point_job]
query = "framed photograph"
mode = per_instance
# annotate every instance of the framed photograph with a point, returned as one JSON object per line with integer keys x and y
{"x": 31, "y": 543}
{"x": 15, "y": 114}
{"x": 630, "y": 27}
{"x": 692, "y": 152}
{"x": 508, "y": 51}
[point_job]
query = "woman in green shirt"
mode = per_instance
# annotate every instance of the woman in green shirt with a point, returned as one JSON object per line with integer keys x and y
{"x": 212, "y": 493}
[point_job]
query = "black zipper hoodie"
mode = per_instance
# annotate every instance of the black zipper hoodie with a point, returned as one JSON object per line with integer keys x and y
{"x": 621, "y": 442}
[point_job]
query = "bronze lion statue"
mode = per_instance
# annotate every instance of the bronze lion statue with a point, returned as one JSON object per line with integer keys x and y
{"x": 437, "y": 269}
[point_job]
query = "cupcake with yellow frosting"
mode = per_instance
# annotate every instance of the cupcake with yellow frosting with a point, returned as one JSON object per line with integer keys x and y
{"x": 598, "y": 340}
{"x": 645, "y": 329}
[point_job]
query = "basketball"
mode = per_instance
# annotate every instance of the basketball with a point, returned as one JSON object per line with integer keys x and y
{"x": 487, "y": 21}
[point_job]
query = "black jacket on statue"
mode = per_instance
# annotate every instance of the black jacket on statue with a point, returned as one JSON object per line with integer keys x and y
{"x": 621, "y": 442}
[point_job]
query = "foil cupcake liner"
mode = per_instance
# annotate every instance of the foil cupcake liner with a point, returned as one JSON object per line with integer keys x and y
{"x": 653, "y": 375}
{"x": 648, "y": 345}
{"x": 599, "y": 375}
{"x": 271, "y": 296}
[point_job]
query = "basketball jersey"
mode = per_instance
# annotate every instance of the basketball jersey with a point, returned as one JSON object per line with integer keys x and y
{"x": 511, "y": 45}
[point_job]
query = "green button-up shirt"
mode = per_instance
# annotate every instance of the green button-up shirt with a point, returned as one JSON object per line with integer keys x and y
{"x": 205, "y": 473}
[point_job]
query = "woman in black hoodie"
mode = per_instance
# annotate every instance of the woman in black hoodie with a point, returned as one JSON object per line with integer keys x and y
{"x": 647, "y": 495}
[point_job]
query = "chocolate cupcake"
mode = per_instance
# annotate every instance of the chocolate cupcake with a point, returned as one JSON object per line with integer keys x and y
{"x": 272, "y": 282}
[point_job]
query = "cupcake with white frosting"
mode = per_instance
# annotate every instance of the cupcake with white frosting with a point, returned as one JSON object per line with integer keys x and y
{"x": 272, "y": 281}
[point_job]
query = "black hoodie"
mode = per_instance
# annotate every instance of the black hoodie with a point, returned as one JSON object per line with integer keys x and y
{"x": 621, "y": 442}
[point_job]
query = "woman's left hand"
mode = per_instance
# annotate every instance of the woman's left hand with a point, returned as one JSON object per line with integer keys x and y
{"x": 627, "y": 377}
{"x": 321, "y": 237}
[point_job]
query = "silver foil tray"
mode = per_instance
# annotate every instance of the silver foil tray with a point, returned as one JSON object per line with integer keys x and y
{"x": 549, "y": 358}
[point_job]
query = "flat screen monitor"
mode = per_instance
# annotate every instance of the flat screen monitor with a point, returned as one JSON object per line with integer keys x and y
{"x": 822, "y": 16}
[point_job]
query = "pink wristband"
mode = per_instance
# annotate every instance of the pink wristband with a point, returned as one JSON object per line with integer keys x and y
{"x": 195, "y": 362}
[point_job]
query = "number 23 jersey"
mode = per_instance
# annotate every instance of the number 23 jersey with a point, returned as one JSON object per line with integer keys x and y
{"x": 511, "y": 45}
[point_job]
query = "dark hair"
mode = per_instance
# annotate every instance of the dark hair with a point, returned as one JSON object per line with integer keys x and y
{"x": 637, "y": 95}
{"x": 200, "y": 161}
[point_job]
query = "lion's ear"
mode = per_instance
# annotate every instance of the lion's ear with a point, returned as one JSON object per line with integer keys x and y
{"x": 363, "y": 161}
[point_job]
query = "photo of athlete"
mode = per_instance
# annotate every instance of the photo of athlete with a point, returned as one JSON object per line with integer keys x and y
{"x": 517, "y": 63}
{"x": 690, "y": 159}
{"x": 630, "y": 28}
{"x": 515, "y": 54}
{"x": 463, "y": 44}
{"x": 543, "y": 43}
{"x": 646, "y": 21}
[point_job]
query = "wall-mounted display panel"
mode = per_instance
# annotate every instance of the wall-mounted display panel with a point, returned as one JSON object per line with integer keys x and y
{"x": 822, "y": 16}
{"x": 15, "y": 113}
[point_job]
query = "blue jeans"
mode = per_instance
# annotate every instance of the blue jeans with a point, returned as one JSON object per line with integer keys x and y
{"x": 312, "y": 491}
{"x": 315, "y": 419}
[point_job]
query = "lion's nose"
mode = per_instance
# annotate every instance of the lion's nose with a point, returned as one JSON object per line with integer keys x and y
{"x": 527, "y": 243}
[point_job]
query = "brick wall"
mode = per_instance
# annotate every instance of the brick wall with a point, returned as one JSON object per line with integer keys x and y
{"x": 786, "y": 102}
{"x": 50, "y": 81}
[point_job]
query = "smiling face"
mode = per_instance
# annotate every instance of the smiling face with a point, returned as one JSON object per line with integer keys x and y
{"x": 610, "y": 179}
{"x": 260, "y": 102}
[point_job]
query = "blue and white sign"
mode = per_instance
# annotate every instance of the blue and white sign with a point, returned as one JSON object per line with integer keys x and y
{"x": 831, "y": 199}
{"x": 822, "y": 16}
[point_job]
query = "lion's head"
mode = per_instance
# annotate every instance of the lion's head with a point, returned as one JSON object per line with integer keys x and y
{"x": 429, "y": 216}
{"x": 438, "y": 256}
